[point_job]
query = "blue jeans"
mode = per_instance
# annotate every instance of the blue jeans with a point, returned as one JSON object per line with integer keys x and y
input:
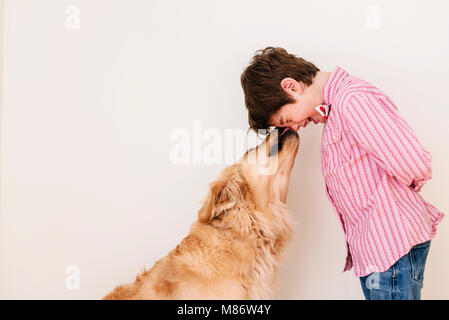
{"x": 404, "y": 279}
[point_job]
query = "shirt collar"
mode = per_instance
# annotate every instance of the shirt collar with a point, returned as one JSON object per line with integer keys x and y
{"x": 333, "y": 84}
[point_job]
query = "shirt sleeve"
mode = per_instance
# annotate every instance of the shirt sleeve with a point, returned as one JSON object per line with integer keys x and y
{"x": 376, "y": 124}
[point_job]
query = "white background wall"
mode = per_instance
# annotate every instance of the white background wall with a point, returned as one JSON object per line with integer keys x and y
{"x": 86, "y": 115}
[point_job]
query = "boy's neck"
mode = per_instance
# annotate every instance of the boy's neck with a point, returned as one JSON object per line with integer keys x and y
{"x": 320, "y": 81}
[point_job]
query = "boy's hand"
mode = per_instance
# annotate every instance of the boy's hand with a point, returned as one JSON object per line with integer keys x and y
{"x": 417, "y": 189}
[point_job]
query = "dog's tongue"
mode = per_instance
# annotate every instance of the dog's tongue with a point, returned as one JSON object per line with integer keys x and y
{"x": 285, "y": 130}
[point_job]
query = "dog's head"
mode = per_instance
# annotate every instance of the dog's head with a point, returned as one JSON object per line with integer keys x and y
{"x": 259, "y": 178}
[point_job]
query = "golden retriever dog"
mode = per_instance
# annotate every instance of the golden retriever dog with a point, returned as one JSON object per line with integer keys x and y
{"x": 235, "y": 247}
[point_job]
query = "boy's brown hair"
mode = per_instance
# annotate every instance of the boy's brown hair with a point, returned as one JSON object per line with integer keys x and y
{"x": 261, "y": 82}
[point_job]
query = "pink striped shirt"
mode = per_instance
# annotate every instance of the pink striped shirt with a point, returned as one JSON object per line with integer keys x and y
{"x": 372, "y": 164}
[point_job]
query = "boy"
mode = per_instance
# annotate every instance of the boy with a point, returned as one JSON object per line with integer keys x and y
{"x": 372, "y": 163}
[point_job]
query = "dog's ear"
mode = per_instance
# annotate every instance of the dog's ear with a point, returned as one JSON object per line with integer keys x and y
{"x": 215, "y": 202}
{"x": 224, "y": 193}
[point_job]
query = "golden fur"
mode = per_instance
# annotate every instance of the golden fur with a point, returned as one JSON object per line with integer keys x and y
{"x": 235, "y": 247}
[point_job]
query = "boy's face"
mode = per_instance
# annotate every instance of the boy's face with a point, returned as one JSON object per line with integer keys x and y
{"x": 302, "y": 111}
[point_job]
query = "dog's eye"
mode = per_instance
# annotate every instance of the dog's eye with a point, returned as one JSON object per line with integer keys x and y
{"x": 270, "y": 129}
{"x": 265, "y": 132}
